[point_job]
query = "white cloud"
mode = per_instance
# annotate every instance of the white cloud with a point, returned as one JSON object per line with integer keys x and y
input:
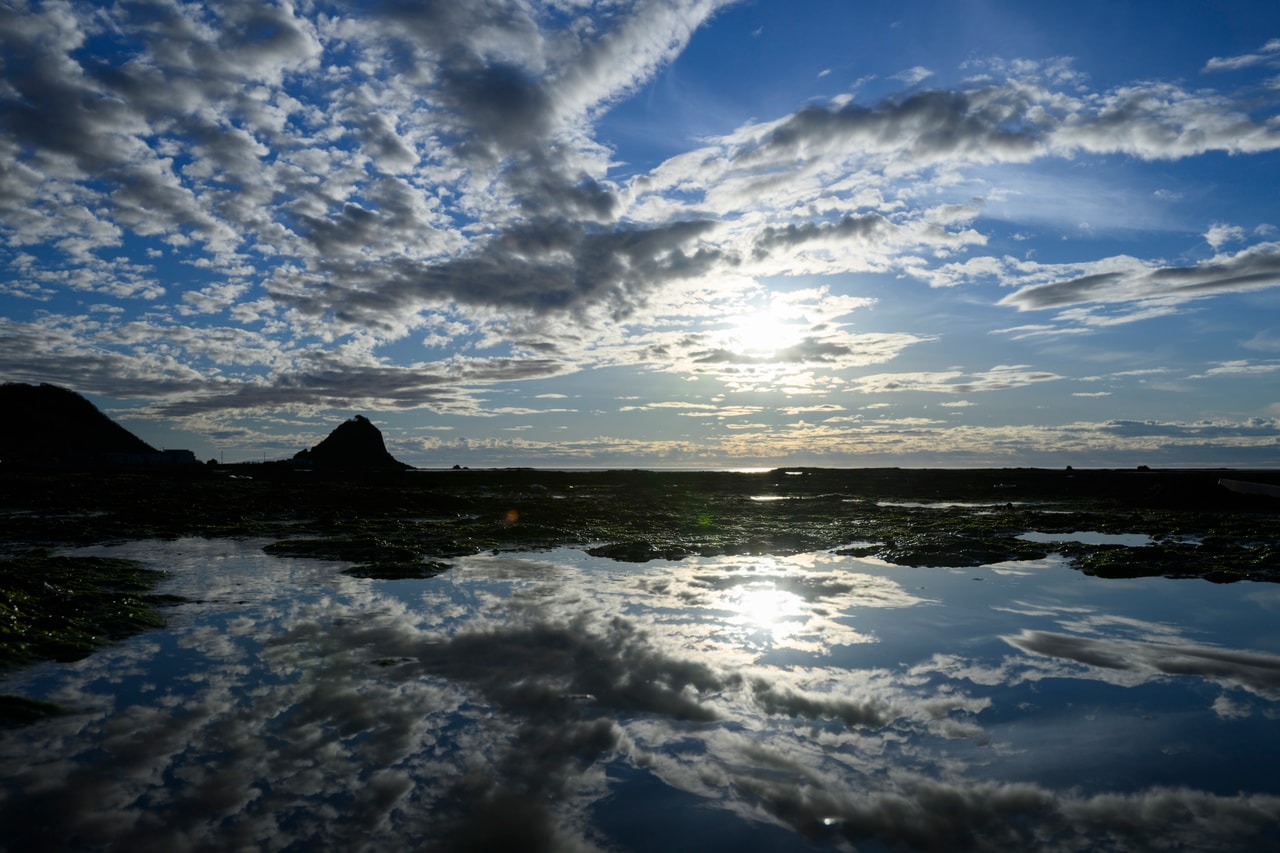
{"x": 1220, "y": 233}
{"x": 1265, "y": 340}
{"x": 914, "y": 75}
{"x": 1269, "y": 54}
{"x": 1240, "y": 367}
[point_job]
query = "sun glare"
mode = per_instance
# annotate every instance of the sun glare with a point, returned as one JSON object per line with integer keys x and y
{"x": 764, "y": 607}
{"x": 764, "y": 333}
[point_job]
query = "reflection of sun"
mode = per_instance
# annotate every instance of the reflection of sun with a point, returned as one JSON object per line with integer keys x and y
{"x": 763, "y": 607}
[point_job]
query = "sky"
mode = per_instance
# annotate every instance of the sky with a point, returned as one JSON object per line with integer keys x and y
{"x": 689, "y": 233}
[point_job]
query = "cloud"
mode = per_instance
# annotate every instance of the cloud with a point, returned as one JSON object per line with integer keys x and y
{"x": 858, "y": 227}
{"x": 499, "y": 87}
{"x": 1124, "y": 279}
{"x": 912, "y": 76}
{"x": 998, "y": 378}
{"x": 1010, "y": 122}
{"x": 1266, "y": 340}
{"x": 823, "y": 408}
{"x": 1269, "y": 54}
{"x": 863, "y": 442}
{"x": 1220, "y": 233}
{"x": 294, "y": 206}
{"x": 1241, "y": 367}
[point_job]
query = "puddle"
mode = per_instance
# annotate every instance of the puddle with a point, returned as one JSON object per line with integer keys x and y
{"x": 801, "y": 703}
{"x": 952, "y": 504}
{"x": 1089, "y": 537}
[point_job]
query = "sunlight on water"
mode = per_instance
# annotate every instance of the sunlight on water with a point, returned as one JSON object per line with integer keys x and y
{"x": 556, "y": 701}
{"x": 766, "y": 608}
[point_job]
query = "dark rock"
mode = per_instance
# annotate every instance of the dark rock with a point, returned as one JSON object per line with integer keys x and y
{"x": 637, "y": 552}
{"x": 45, "y": 425}
{"x": 410, "y": 570}
{"x": 355, "y": 445}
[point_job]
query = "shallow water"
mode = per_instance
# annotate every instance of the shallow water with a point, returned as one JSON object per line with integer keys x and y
{"x": 1091, "y": 537}
{"x": 558, "y": 701}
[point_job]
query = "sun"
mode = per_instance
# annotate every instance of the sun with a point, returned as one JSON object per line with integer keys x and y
{"x": 763, "y": 333}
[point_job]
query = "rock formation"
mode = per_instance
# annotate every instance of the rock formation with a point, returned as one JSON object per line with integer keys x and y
{"x": 355, "y": 445}
{"x": 46, "y": 425}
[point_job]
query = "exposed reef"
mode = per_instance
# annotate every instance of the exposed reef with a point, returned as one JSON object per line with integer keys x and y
{"x": 412, "y": 523}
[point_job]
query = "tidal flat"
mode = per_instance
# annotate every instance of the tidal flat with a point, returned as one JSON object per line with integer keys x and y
{"x": 800, "y": 659}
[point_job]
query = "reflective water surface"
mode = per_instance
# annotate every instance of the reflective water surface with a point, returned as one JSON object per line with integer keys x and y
{"x": 556, "y": 701}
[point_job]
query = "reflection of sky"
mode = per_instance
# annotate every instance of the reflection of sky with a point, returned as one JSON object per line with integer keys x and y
{"x": 1090, "y": 537}
{"x": 557, "y": 701}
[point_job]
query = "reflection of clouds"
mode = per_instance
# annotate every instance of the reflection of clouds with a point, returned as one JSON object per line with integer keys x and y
{"x": 1050, "y": 562}
{"x": 800, "y": 602}
{"x": 1256, "y": 672}
{"x": 1111, "y": 626}
{"x": 1265, "y": 595}
{"x": 490, "y": 708}
{"x": 1120, "y": 650}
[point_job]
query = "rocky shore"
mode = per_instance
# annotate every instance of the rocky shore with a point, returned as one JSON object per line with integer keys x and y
{"x": 409, "y": 524}
{"x": 909, "y": 517}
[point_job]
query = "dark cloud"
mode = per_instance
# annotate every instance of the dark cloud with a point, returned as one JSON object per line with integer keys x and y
{"x": 486, "y": 85}
{"x": 1206, "y": 431}
{"x": 1251, "y": 269}
{"x": 922, "y": 128}
{"x": 33, "y": 352}
{"x": 99, "y": 359}
{"x": 499, "y": 109}
{"x": 342, "y": 385}
{"x": 548, "y": 267}
{"x": 1014, "y": 121}
{"x": 863, "y": 227}
{"x": 811, "y": 350}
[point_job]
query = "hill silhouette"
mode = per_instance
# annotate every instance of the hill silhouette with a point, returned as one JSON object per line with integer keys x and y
{"x": 355, "y": 444}
{"x": 48, "y": 425}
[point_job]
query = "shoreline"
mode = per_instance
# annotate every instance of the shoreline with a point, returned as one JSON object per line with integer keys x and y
{"x": 429, "y": 516}
{"x": 413, "y": 525}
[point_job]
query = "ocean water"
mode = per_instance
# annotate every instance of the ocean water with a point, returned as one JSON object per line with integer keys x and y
{"x": 557, "y": 701}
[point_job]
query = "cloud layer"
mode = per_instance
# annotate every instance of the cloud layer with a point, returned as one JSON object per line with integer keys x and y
{"x": 231, "y": 209}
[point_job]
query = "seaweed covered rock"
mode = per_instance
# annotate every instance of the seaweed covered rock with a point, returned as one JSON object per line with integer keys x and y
{"x": 355, "y": 445}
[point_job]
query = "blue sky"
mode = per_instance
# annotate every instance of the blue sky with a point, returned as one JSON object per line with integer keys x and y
{"x": 686, "y": 233}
